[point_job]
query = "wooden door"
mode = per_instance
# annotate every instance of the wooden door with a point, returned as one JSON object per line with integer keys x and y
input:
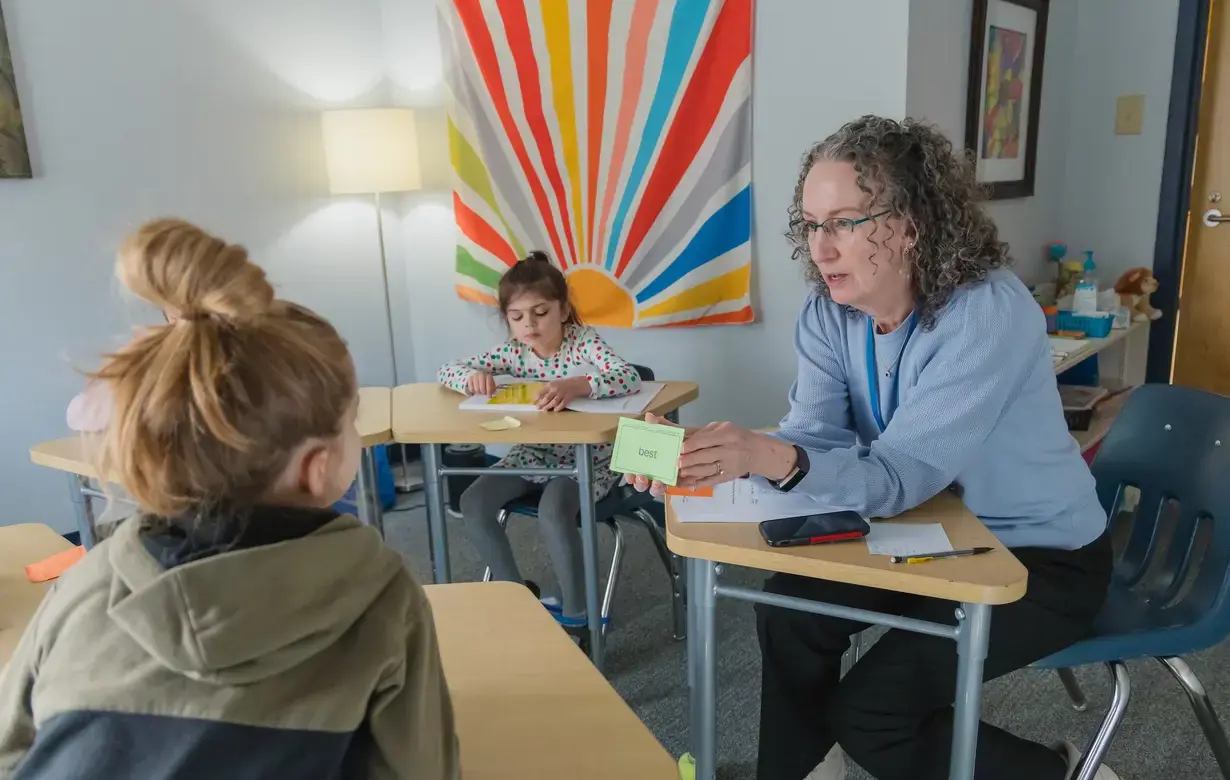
{"x": 1202, "y": 341}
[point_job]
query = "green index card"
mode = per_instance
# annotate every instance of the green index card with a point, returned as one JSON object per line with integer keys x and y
{"x": 647, "y": 449}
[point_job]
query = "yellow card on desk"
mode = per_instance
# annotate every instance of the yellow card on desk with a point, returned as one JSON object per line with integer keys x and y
{"x": 647, "y": 449}
{"x": 518, "y": 393}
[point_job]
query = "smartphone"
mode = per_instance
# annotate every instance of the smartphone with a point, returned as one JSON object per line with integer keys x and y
{"x": 814, "y": 529}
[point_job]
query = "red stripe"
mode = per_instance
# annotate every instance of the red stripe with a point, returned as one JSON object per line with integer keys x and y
{"x": 517, "y": 30}
{"x": 729, "y": 45}
{"x": 480, "y": 232}
{"x": 471, "y": 16}
{"x": 598, "y": 21}
{"x": 740, "y": 317}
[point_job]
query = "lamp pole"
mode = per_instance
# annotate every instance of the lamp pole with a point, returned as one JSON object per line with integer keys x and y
{"x": 388, "y": 304}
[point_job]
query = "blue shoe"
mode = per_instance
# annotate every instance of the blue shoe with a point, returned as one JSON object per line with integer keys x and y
{"x": 580, "y": 621}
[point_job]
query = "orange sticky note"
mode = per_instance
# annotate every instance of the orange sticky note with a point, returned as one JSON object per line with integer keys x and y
{"x": 698, "y": 492}
{"x": 50, "y": 568}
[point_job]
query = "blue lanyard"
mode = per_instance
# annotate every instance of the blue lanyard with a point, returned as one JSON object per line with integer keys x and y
{"x": 873, "y": 372}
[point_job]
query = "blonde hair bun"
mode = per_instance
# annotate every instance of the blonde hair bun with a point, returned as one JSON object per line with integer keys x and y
{"x": 191, "y": 274}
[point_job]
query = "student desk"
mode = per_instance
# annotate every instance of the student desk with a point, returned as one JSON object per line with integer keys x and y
{"x": 21, "y": 545}
{"x": 527, "y": 703}
{"x": 75, "y": 455}
{"x": 427, "y": 414}
{"x": 976, "y": 583}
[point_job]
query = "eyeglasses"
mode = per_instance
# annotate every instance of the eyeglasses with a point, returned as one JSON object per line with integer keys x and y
{"x": 835, "y": 227}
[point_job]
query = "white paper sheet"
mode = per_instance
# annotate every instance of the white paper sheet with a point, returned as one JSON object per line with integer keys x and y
{"x": 887, "y": 538}
{"x": 744, "y": 501}
{"x": 635, "y": 403}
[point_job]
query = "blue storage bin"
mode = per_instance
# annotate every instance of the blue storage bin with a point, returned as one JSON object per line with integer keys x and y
{"x": 1095, "y": 327}
{"x": 384, "y": 482}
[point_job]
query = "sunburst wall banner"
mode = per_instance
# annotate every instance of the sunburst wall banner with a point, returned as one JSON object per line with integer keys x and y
{"x": 616, "y": 136}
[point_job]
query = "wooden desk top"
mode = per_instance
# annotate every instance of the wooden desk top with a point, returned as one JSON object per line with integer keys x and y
{"x": 74, "y": 454}
{"x": 427, "y": 413}
{"x": 529, "y": 705}
{"x": 994, "y": 578}
{"x": 21, "y": 545}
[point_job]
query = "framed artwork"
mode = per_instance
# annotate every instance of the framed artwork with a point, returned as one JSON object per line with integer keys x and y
{"x": 14, "y": 155}
{"x": 615, "y": 135}
{"x": 1007, "y": 50}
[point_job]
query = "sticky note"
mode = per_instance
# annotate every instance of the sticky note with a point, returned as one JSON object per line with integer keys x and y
{"x": 517, "y": 393}
{"x": 502, "y": 424}
{"x": 696, "y": 492}
{"x": 647, "y": 449}
{"x": 50, "y": 568}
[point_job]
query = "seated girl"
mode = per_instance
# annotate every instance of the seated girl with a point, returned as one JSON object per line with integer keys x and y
{"x": 547, "y": 343}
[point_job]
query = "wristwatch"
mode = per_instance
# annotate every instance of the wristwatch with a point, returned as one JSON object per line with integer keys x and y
{"x": 801, "y": 466}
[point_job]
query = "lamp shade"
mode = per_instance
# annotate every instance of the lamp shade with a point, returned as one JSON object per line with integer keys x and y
{"x": 370, "y": 150}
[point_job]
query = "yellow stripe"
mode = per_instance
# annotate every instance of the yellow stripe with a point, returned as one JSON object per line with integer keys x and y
{"x": 727, "y": 287}
{"x": 559, "y": 48}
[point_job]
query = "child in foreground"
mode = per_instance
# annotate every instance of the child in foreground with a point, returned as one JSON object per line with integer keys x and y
{"x": 237, "y": 626}
{"x": 547, "y": 343}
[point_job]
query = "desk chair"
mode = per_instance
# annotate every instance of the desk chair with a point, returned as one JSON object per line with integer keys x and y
{"x": 1169, "y": 588}
{"x": 623, "y": 503}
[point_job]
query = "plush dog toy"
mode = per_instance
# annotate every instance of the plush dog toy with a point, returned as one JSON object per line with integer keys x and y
{"x": 1134, "y": 288}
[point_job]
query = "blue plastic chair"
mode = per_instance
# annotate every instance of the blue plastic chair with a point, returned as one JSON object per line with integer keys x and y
{"x": 1168, "y": 592}
{"x": 623, "y": 503}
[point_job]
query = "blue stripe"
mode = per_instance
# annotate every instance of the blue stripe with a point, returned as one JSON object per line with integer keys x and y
{"x": 686, "y": 23}
{"x": 729, "y": 227}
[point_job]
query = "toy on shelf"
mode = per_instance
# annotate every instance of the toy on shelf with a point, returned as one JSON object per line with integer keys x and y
{"x": 1069, "y": 270}
{"x": 1134, "y": 288}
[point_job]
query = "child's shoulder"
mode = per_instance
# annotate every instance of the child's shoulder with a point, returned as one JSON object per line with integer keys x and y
{"x": 580, "y": 334}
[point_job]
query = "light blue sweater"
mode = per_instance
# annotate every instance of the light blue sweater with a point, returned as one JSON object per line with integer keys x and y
{"x": 978, "y": 405}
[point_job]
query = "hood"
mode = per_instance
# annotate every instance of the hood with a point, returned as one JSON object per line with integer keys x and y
{"x": 235, "y": 612}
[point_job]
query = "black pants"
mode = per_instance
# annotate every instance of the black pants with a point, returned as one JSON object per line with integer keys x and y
{"x": 892, "y": 713}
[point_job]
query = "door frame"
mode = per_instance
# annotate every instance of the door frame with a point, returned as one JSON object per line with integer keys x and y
{"x": 1191, "y": 37}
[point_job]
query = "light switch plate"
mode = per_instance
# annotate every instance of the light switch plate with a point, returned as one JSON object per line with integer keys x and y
{"x": 1129, "y": 114}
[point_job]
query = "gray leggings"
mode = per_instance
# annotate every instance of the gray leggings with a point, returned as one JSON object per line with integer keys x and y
{"x": 557, "y": 519}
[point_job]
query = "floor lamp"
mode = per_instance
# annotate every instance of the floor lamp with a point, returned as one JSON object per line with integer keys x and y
{"x": 369, "y": 151}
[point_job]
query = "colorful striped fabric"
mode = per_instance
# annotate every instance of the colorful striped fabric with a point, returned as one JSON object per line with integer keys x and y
{"x": 616, "y": 136}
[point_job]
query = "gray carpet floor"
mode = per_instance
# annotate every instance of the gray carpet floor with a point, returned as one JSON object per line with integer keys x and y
{"x": 1159, "y": 739}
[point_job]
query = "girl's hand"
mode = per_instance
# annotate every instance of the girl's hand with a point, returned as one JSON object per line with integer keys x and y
{"x": 556, "y": 396}
{"x": 480, "y": 383}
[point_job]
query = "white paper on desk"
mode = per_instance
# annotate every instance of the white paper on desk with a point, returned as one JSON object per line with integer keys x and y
{"x": 634, "y": 403}
{"x": 744, "y": 501}
{"x": 888, "y": 538}
{"x": 1062, "y": 346}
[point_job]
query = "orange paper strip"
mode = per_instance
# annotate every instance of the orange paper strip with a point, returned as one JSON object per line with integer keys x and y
{"x": 698, "y": 492}
{"x": 50, "y": 568}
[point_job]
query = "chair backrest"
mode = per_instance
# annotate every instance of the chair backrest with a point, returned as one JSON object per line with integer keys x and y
{"x": 647, "y": 376}
{"x": 1173, "y": 445}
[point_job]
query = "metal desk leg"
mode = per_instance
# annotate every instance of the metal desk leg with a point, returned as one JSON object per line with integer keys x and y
{"x": 433, "y": 490}
{"x": 589, "y": 552}
{"x": 973, "y": 636}
{"x": 702, "y": 665}
{"x": 77, "y": 486}
{"x": 367, "y": 500}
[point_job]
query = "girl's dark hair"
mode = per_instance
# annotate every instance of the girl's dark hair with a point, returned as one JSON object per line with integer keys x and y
{"x": 536, "y": 273}
{"x": 911, "y": 170}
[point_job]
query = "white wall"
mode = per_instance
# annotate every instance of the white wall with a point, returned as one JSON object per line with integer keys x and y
{"x": 1112, "y": 182}
{"x": 141, "y": 108}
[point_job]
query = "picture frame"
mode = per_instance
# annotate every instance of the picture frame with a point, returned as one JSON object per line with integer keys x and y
{"x": 1004, "y": 100}
{"x": 14, "y": 150}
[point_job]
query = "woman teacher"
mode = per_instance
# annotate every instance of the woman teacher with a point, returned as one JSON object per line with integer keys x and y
{"x": 923, "y": 365}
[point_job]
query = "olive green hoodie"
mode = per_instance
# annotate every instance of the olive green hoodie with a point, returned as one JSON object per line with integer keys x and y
{"x": 286, "y": 643}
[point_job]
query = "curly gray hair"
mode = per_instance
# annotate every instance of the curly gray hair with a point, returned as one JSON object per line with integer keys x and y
{"x": 910, "y": 169}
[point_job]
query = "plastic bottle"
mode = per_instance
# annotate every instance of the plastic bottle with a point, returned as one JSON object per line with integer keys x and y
{"x": 1085, "y": 298}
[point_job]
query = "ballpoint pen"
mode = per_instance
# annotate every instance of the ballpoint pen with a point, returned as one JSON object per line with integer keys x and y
{"x": 935, "y": 556}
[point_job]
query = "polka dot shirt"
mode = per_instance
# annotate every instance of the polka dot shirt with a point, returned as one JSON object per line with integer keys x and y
{"x": 582, "y": 353}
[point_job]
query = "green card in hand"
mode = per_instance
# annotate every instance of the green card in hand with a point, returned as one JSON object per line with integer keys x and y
{"x": 647, "y": 449}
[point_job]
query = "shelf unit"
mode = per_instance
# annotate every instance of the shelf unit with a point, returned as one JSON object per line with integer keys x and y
{"x": 1104, "y": 413}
